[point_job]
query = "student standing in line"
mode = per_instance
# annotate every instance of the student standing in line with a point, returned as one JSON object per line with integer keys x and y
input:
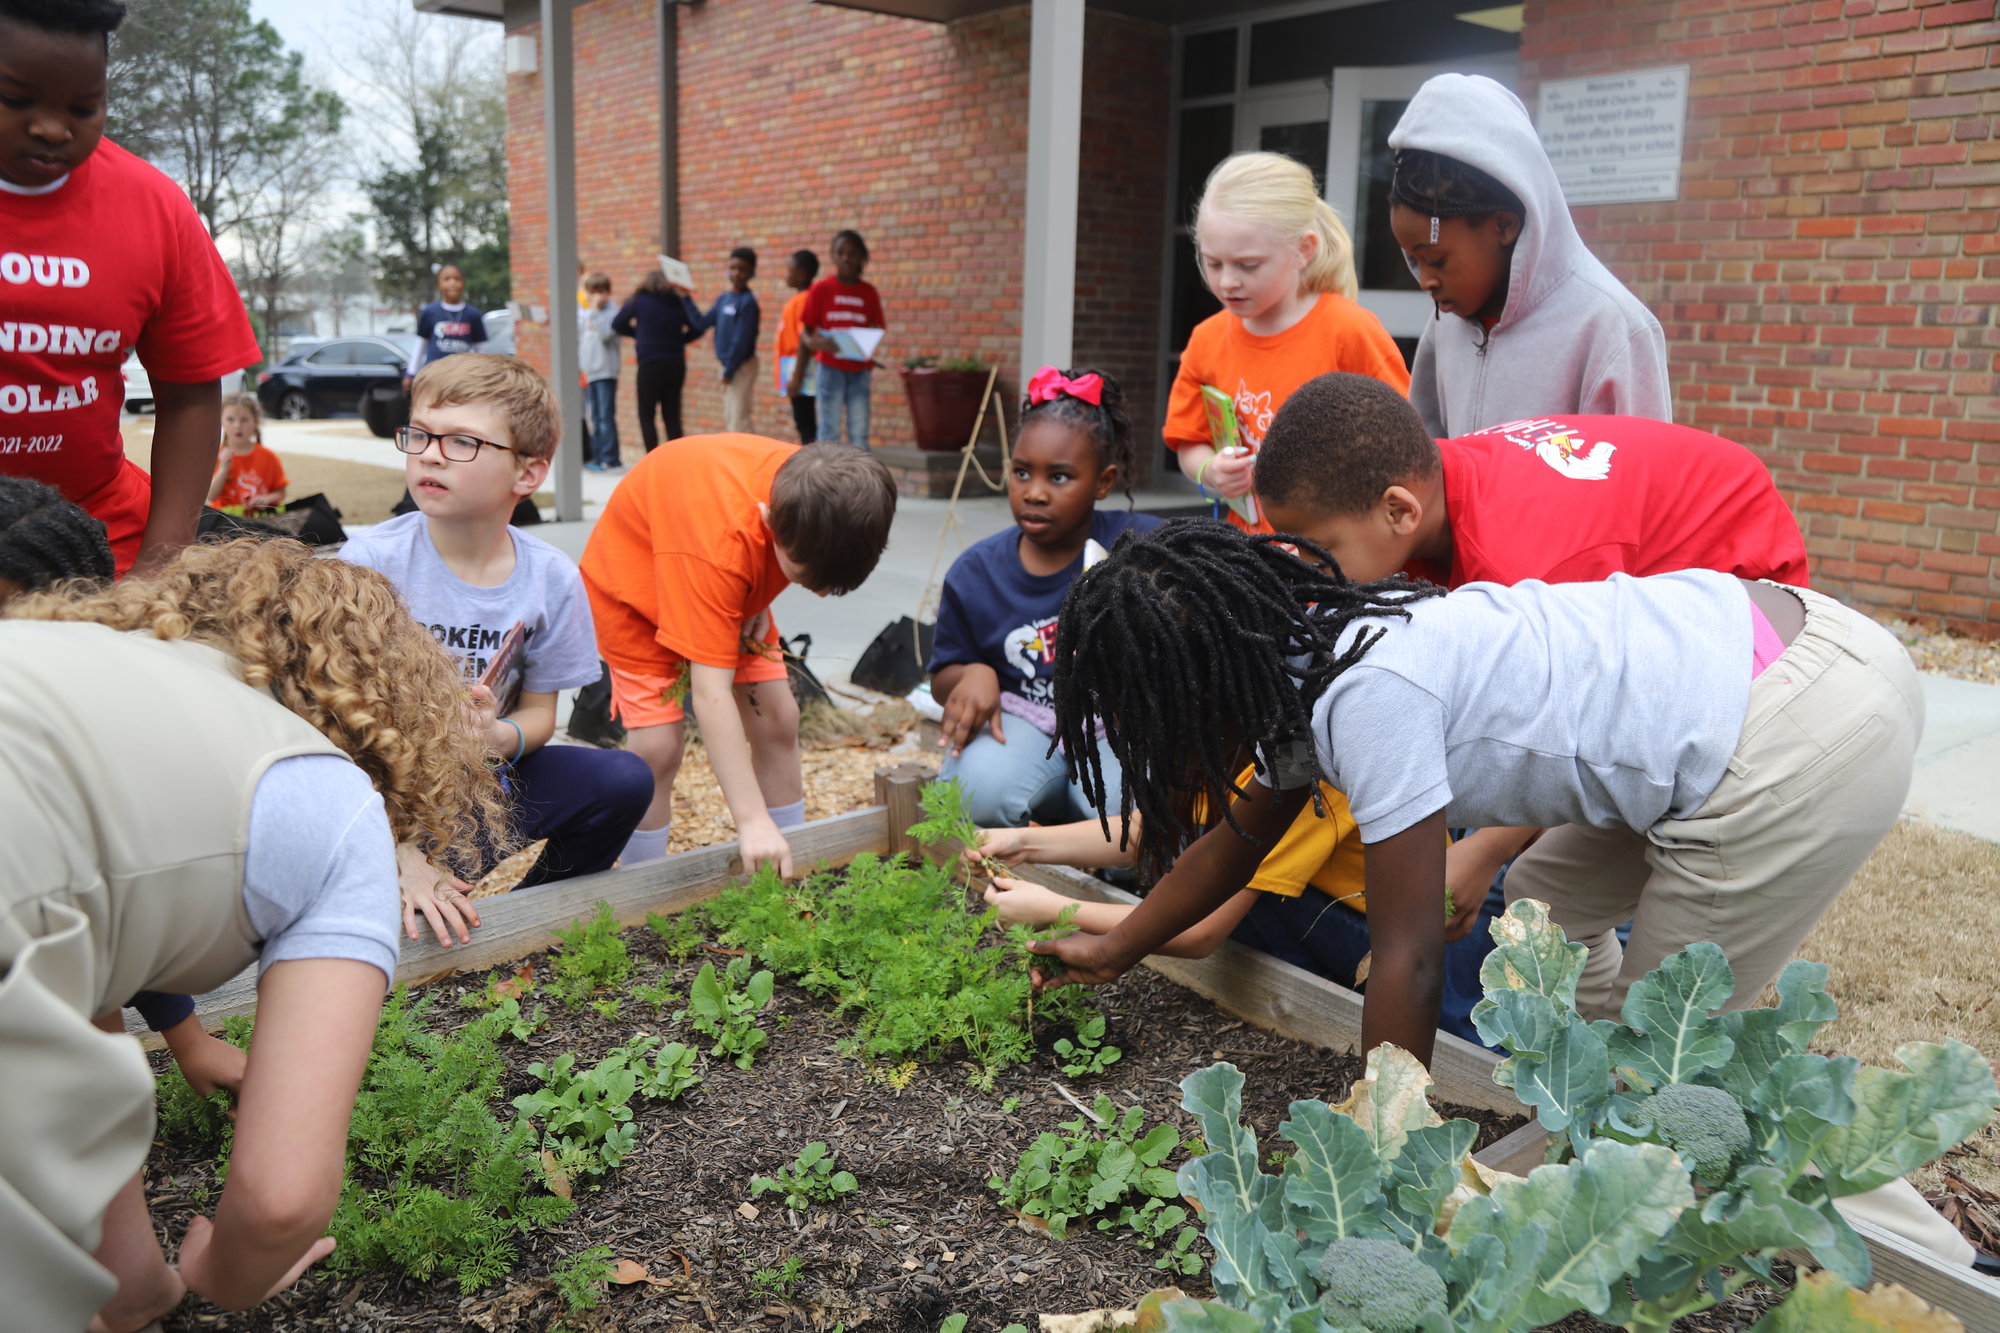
{"x": 103, "y": 256}
{"x": 597, "y": 343}
{"x": 795, "y": 368}
{"x": 735, "y": 319}
{"x": 1529, "y": 322}
{"x": 1277, "y": 257}
{"x": 843, "y": 301}
{"x": 659, "y": 319}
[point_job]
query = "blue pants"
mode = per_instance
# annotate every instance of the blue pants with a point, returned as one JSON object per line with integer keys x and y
{"x": 1007, "y": 785}
{"x": 1329, "y": 939}
{"x": 602, "y": 399}
{"x": 584, "y": 800}
{"x": 841, "y": 397}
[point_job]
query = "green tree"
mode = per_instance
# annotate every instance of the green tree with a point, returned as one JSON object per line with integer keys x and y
{"x": 214, "y": 98}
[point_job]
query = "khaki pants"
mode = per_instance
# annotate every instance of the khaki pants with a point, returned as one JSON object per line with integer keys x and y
{"x": 1819, "y": 776}
{"x": 739, "y": 398}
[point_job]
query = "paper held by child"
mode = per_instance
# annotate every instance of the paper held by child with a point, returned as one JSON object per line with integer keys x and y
{"x": 805, "y": 389}
{"x": 855, "y": 344}
{"x": 503, "y": 672}
{"x": 1227, "y": 440}
{"x": 677, "y": 273}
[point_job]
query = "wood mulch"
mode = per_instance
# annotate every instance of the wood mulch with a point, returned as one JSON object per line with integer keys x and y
{"x": 923, "y": 1238}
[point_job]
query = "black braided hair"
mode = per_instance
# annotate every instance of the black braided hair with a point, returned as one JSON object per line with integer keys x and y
{"x": 1194, "y": 645}
{"x": 1107, "y": 423}
{"x": 1444, "y": 187}
{"x": 45, "y": 539}
{"x": 70, "y": 17}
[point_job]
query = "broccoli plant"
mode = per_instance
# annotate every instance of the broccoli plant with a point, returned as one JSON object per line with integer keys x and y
{"x": 1690, "y": 1150}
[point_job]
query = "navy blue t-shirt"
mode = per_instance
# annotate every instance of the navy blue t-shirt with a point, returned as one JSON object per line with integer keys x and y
{"x": 994, "y": 611}
{"x": 447, "y": 331}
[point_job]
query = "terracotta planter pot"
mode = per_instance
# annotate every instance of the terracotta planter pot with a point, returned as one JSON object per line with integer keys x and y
{"x": 943, "y": 406}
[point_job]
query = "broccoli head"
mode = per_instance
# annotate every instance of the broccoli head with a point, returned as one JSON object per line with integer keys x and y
{"x": 1704, "y": 1125}
{"x": 1377, "y": 1285}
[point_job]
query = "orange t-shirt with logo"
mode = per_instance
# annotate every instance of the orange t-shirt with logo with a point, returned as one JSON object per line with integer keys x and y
{"x": 1260, "y": 373}
{"x": 680, "y": 557}
{"x": 247, "y": 476}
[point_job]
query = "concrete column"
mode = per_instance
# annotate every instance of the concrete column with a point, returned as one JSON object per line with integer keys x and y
{"x": 1055, "y": 126}
{"x": 559, "y": 145}
{"x": 670, "y": 128}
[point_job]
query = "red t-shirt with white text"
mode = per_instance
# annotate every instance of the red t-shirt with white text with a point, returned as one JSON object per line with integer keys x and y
{"x": 113, "y": 258}
{"x": 833, "y": 304}
{"x": 1574, "y": 499}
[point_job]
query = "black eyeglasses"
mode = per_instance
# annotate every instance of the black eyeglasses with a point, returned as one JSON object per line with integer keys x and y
{"x": 455, "y": 448}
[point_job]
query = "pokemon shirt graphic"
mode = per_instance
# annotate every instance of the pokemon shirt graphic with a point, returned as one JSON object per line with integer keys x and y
{"x": 1562, "y": 446}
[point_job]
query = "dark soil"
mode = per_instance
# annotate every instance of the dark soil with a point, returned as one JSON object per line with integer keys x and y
{"x": 923, "y": 1238}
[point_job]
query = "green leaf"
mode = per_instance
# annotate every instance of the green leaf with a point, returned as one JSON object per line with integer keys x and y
{"x": 1225, "y": 1178}
{"x": 1903, "y": 1120}
{"x": 1492, "y": 1279}
{"x": 1762, "y": 1037}
{"x": 1800, "y": 1101}
{"x": 1531, "y": 953}
{"x": 760, "y": 988}
{"x": 707, "y": 998}
{"x": 1600, "y": 1212}
{"x": 1757, "y": 1212}
{"x": 1821, "y": 1303}
{"x": 1333, "y": 1180}
{"x": 1560, "y": 1065}
{"x": 1424, "y": 1173}
{"x": 1668, "y": 1036}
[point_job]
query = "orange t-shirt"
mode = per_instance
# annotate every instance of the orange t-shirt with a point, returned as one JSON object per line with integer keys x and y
{"x": 791, "y": 322}
{"x": 247, "y": 476}
{"x": 1262, "y": 372}
{"x": 680, "y": 557}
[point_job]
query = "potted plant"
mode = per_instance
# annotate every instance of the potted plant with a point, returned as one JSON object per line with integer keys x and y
{"x": 944, "y": 399}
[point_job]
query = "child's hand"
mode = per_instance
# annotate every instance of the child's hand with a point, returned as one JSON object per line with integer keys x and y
{"x": 207, "y": 1062}
{"x": 1087, "y": 960}
{"x": 439, "y": 896}
{"x": 1230, "y": 473}
{"x": 974, "y": 703}
{"x": 1008, "y": 846}
{"x": 199, "y": 1266}
{"x": 759, "y": 843}
{"x": 482, "y": 712}
{"x": 1023, "y": 904}
{"x": 267, "y": 500}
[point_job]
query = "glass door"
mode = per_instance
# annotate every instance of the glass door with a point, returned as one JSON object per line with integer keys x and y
{"x": 1367, "y": 103}
{"x": 1293, "y": 123}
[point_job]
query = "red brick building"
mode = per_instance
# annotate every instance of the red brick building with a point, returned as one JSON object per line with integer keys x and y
{"x": 1826, "y": 269}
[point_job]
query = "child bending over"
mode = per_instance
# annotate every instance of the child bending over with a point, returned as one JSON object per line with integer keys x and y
{"x": 994, "y": 660}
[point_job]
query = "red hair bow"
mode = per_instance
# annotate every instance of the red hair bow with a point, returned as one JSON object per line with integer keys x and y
{"x": 1049, "y": 382}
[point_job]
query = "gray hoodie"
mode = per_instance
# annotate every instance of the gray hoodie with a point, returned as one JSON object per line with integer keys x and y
{"x": 1571, "y": 337}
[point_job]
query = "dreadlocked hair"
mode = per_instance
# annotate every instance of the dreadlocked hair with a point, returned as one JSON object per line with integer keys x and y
{"x": 1190, "y": 643}
{"x": 333, "y": 643}
{"x": 45, "y": 539}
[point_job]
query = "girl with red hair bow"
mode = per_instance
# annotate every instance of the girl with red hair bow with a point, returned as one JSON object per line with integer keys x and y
{"x": 993, "y": 663}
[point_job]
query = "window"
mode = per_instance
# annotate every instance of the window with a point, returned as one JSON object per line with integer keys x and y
{"x": 333, "y": 354}
{"x": 375, "y": 354}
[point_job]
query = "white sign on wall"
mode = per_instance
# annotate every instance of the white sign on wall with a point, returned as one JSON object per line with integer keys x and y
{"x": 1616, "y": 138}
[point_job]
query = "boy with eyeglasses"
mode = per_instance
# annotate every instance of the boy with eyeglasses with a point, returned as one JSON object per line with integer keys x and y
{"x": 481, "y": 433}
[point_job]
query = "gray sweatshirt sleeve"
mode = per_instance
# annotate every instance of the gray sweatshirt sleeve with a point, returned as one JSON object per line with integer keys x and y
{"x": 1424, "y": 383}
{"x": 1633, "y": 381}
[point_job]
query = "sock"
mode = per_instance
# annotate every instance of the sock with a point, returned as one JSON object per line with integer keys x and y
{"x": 789, "y": 816}
{"x": 645, "y": 844}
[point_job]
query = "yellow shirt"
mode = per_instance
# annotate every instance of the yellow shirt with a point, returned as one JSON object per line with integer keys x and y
{"x": 1323, "y": 852}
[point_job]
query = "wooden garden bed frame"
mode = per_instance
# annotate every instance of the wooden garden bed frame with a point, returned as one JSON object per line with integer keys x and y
{"x": 1249, "y": 984}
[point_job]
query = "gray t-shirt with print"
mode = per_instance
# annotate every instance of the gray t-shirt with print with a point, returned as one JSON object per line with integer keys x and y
{"x": 1612, "y": 704}
{"x": 545, "y": 593}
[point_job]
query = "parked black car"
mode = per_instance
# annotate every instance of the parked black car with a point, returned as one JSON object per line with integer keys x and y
{"x": 363, "y": 374}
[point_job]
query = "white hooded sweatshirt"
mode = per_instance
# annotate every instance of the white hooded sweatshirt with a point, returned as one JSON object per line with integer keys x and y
{"x": 1571, "y": 338}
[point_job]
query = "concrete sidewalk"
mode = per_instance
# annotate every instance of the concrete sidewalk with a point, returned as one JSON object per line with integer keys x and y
{"x": 1957, "y": 782}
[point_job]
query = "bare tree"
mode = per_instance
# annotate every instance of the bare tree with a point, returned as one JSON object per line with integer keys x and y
{"x": 279, "y": 216}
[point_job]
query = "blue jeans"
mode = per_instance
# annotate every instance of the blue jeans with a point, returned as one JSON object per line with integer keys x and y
{"x": 843, "y": 395}
{"x": 584, "y": 800}
{"x": 1007, "y": 785}
{"x": 602, "y": 397}
{"x": 1329, "y": 939}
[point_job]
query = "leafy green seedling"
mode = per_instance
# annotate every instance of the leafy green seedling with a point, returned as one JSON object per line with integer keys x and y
{"x": 779, "y": 1283}
{"x": 580, "y": 1279}
{"x": 1109, "y": 1168}
{"x": 808, "y": 1179}
{"x": 670, "y": 1074}
{"x": 948, "y": 822}
{"x": 659, "y": 994}
{"x": 1087, "y": 1054}
{"x": 724, "y": 1005}
{"x": 586, "y": 1114}
{"x": 592, "y": 957}
{"x": 680, "y": 932}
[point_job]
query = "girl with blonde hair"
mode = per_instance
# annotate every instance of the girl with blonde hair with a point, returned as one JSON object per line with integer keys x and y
{"x": 1280, "y": 261}
{"x": 201, "y": 768}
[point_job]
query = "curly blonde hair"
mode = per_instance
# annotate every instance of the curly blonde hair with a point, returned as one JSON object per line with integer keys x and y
{"x": 334, "y": 644}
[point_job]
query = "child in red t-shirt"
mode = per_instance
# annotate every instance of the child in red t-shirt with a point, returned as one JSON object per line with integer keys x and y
{"x": 248, "y": 476}
{"x": 681, "y": 569}
{"x": 103, "y": 255}
{"x": 842, "y": 301}
{"x": 1282, "y": 265}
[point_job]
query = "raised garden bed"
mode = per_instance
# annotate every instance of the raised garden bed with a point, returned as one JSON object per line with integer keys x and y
{"x": 922, "y": 1237}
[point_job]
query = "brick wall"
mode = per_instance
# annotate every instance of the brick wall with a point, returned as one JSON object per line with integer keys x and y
{"x": 1829, "y": 275}
{"x": 798, "y": 120}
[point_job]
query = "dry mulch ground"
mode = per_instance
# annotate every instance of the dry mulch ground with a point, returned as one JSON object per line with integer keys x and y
{"x": 923, "y": 1238}
{"x": 1948, "y": 654}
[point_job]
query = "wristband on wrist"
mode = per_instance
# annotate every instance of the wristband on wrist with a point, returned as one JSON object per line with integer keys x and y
{"x": 520, "y": 740}
{"x": 1202, "y": 471}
